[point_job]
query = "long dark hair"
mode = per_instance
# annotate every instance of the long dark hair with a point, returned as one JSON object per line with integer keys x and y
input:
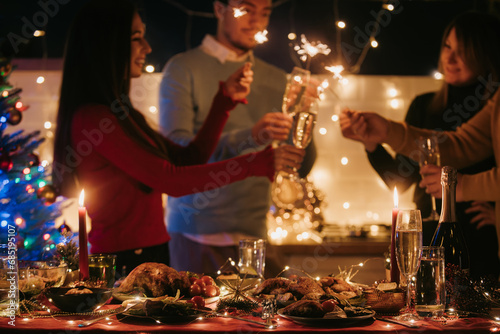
{"x": 478, "y": 36}
{"x": 97, "y": 71}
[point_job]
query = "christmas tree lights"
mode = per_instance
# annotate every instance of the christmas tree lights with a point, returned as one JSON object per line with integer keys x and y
{"x": 28, "y": 202}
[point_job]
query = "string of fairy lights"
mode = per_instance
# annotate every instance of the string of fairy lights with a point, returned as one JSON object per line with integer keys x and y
{"x": 303, "y": 52}
{"x": 261, "y": 37}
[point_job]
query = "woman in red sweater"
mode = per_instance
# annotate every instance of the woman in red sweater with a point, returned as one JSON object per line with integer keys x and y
{"x": 105, "y": 146}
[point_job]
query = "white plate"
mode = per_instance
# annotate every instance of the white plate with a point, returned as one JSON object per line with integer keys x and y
{"x": 326, "y": 321}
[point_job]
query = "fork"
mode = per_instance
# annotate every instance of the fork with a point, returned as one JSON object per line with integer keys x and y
{"x": 119, "y": 310}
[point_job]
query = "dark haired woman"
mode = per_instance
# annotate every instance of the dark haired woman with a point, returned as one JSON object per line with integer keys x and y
{"x": 104, "y": 145}
{"x": 470, "y": 62}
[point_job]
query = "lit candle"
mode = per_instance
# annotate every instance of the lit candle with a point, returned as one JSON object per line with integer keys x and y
{"x": 394, "y": 264}
{"x": 82, "y": 235}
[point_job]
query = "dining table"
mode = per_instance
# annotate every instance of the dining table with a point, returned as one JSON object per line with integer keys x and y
{"x": 53, "y": 323}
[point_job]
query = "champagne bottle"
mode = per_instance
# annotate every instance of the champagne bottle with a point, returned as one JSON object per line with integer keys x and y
{"x": 449, "y": 235}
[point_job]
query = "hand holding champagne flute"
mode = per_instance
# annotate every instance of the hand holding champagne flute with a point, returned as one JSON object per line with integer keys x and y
{"x": 300, "y": 102}
{"x": 408, "y": 253}
{"x": 430, "y": 156}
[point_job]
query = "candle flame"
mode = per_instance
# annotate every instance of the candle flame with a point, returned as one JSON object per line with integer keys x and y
{"x": 82, "y": 195}
{"x": 395, "y": 197}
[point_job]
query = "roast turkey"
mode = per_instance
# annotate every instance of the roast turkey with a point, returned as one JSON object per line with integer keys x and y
{"x": 154, "y": 279}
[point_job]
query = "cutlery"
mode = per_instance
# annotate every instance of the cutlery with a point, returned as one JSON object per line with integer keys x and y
{"x": 402, "y": 323}
{"x": 269, "y": 324}
{"x": 119, "y": 310}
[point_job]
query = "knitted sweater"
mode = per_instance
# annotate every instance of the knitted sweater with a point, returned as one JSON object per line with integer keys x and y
{"x": 403, "y": 172}
{"x": 113, "y": 170}
{"x": 189, "y": 81}
{"x": 472, "y": 142}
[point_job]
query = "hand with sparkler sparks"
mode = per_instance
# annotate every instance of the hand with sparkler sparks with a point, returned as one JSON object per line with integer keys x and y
{"x": 366, "y": 127}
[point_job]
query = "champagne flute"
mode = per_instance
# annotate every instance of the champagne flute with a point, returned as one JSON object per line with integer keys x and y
{"x": 408, "y": 254}
{"x": 303, "y": 122}
{"x": 285, "y": 189}
{"x": 295, "y": 90}
{"x": 295, "y": 99}
{"x": 430, "y": 156}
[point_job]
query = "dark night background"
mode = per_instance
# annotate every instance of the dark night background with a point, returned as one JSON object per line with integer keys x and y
{"x": 408, "y": 44}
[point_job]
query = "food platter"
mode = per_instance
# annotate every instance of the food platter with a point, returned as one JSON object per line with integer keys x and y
{"x": 330, "y": 322}
{"x": 128, "y": 296}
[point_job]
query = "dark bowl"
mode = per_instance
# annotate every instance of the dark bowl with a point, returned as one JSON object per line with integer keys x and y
{"x": 77, "y": 302}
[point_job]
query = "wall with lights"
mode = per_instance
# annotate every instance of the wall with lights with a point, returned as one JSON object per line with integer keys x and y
{"x": 354, "y": 194}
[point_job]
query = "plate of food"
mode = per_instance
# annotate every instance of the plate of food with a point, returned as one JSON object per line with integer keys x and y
{"x": 77, "y": 299}
{"x": 156, "y": 280}
{"x": 288, "y": 290}
{"x": 327, "y": 313}
{"x": 168, "y": 310}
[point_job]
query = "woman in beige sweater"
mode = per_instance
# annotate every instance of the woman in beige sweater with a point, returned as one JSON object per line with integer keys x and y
{"x": 474, "y": 141}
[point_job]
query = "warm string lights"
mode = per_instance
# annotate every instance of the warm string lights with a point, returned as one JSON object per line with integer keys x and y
{"x": 238, "y": 287}
{"x": 346, "y": 274}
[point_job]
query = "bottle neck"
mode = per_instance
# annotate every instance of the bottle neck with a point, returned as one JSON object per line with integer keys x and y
{"x": 448, "y": 204}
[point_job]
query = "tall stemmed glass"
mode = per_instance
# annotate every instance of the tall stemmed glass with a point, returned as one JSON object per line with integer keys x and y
{"x": 304, "y": 121}
{"x": 408, "y": 254}
{"x": 298, "y": 103}
{"x": 296, "y": 99}
{"x": 430, "y": 156}
{"x": 295, "y": 91}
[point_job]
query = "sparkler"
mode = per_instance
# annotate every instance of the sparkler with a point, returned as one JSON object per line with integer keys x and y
{"x": 238, "y": 12}
{"x": 337, "y": 74}
{"x": 261, "y": 37}
{"x": 308, "y": 50}
{"x": 336, "y": 70}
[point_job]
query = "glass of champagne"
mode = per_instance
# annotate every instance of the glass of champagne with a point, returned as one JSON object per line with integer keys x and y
{"x": 304, "y": 121}
{"x": 408, "y": 254}
{"x": 300, "y": 103}
{"x": 295, "y": 91}
{"x": 295, "y": 99}
{"x": 430, "y": 156}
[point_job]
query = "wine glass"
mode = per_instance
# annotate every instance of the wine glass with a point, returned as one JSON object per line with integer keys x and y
{"x": 408, "y": 254}
{"x": 297, "y": 100}
{"x": 295, "y": 90}
{"x": 430, "y": 156}
{"x": 304, "y": 121}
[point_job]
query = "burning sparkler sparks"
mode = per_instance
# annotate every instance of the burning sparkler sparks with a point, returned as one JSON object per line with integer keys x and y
{"x": 238, "y": 12}
{"x": 309, "y": 50}
{"x": 336, "y": 70}
{"x": 261, "y": 37}
{"x": 337, "y": 74}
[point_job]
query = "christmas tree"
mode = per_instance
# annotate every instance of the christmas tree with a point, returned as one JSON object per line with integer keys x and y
{"x": 28, "y": 205}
